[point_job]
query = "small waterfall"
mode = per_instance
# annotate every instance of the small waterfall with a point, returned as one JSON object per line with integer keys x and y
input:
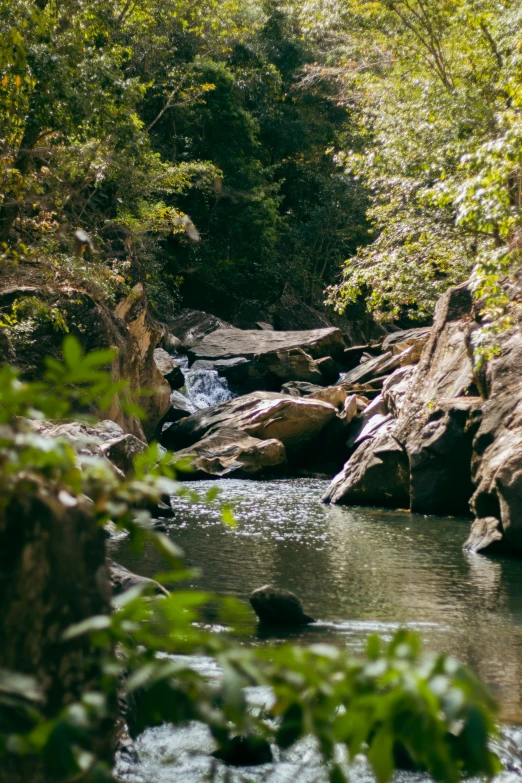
{"x": 203, "y": 388}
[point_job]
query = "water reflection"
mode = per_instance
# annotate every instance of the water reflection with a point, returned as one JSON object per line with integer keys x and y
{"x": 358, "y": 571}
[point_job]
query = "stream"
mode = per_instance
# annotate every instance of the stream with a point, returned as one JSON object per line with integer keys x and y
{"x": 357, "y": 571}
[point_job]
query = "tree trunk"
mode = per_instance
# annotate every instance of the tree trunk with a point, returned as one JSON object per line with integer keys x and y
{"x": 52, "y": 574}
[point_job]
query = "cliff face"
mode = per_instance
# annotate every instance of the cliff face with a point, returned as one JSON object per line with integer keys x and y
{"x": 129, "y": 329}
{"x": 454, "y": 443}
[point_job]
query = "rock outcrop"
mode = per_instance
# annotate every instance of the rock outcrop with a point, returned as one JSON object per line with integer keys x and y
{"x": 376, "y": 474}
{"x": 130, "y": 331}
{"x": 122, "y": 579}
{"x": 497, "y": 450}
{"x": 228, "y": 344}
{"x": 415, "y": 440}
{"x": 296, "y": 422}
{"x": 103, "y": 439}
{"x": 254, "y": 360}
{"x": 233, "y": 454}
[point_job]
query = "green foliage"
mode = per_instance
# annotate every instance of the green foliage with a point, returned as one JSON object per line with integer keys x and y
{"x": 438, "y": 90}
{"x": 115, "y": 116}
{"x": 393, "y": 700}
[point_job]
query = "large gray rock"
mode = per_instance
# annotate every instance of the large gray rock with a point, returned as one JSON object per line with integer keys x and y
{"x": 86, "y": 439}
{"x": 232, "y": 453}
{"x": 376, "y": 474}
{"x": 270, "y": 370}
{"x": 372, "y": 368}
{"x": 437, "y": 423}
{"x": 274, "y": 606}
{"x": 122, "y": 451}
{"x": 485, "y": 536}
{"x": 440, "y": 458}
{"x": 227, "y": 343}
{"x": 422, "y": 458}
{"x": 296, "y": 422}
{"x": 192, "y": 326}
{"x": 102, "y": 439}
{"x": 397, "y": 342}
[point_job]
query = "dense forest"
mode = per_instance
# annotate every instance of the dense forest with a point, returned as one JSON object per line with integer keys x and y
{"x": 349, "y": 170}
{"x": 297, "y": 138}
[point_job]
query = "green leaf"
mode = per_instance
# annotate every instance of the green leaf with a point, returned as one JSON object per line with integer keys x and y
{"x": 100, "y": 622}
{"x": 72, "y": 352}
{"x": 380, "y": 754}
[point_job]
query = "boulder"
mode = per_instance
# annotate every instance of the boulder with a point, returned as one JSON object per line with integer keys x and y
{"x": 232, "y": 453}
{"x": 86, "y": 439}
{"x": 230, "y": 343}
{"x": 192, "y": 326}
{"x": 122, "y": 579}
{"x": 296, "y": 422}
{"x": 485, "y": 536}
{"x": 170, "y": 343}
{"x": 169, "y": 368}
{"x": 421, "y": 459}
{"x": 375, "y": 475}
{"x": 440, "y": 414}
{"x": 122, "y": 451}
{"x": 274, "y": 606}
{"x": 274, "y": 368}
{"x": 445, "y": 370}
{"x": 350, "y": 408}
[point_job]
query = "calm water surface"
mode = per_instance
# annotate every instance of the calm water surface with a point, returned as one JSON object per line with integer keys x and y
{"x": 357, "y": 571}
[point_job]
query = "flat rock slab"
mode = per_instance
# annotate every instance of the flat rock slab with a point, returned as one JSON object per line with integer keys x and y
{"x": 192, "y": 326}
{"x": 229, "y": 343}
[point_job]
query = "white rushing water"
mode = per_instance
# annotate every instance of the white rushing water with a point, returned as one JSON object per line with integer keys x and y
{"x": 203, "y": 388}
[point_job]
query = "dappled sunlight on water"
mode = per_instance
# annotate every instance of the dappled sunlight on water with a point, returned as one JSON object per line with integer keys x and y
{"x": 357, "y": 571}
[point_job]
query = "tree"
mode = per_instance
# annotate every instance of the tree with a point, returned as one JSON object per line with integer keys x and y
{"x": 435, "y": 85}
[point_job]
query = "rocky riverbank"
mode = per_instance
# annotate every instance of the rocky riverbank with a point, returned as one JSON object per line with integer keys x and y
{"x": 405, "y": 421}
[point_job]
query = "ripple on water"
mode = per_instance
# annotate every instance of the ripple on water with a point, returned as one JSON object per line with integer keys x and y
{"x": 359, "y": 571}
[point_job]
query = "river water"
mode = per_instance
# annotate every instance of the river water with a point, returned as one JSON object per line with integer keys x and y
{"x": 357, "y": 571}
